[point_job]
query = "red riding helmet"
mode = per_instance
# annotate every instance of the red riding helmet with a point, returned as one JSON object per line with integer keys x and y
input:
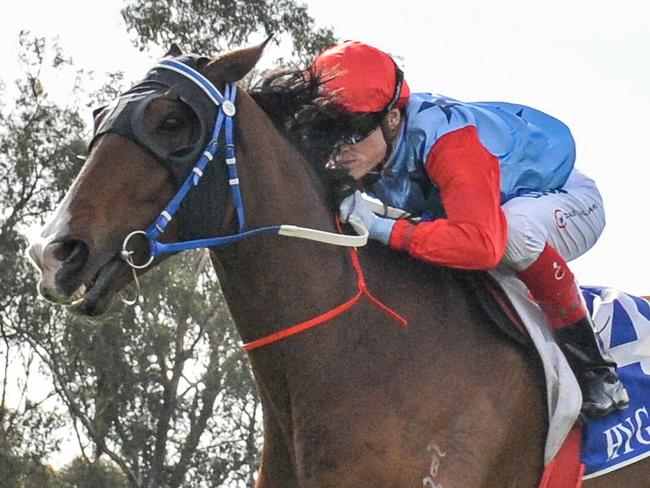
{"x": 361, "y": 78}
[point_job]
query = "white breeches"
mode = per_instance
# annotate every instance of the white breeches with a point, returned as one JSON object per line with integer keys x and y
{"x": 570, "y": 219}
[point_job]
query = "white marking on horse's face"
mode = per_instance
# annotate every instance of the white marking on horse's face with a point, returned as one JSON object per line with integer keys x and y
{"x": 58, "y": 222}
{"x": 438, "y": 454}
{"x": 56, "y": 226}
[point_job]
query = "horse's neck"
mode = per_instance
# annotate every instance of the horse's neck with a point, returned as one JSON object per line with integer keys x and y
{"x": 273, "y": 282}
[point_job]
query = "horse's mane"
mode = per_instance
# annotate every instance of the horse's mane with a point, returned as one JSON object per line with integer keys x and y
{"x": 315, "y": 124}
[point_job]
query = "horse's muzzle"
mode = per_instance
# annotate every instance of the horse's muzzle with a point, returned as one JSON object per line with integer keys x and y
{"x": 60, "y": 263}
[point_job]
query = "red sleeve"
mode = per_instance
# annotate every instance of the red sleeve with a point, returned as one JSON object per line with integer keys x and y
{"x": 474, "y": 234}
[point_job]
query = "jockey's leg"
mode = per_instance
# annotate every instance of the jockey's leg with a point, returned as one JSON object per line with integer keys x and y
{"x": 546, "y": 230}
{"x": 554, "y": 288}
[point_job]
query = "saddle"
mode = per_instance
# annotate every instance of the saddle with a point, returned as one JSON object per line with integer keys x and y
{"x": 492, "y": 299}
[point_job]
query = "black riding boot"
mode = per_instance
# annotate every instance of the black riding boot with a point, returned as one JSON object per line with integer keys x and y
{"x": 602, "y": 390}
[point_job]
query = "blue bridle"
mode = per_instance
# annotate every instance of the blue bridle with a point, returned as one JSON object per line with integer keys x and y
{"x": 224, "y": 122}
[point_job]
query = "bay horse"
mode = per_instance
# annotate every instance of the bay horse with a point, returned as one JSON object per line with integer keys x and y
{"x": 360, "y": 400}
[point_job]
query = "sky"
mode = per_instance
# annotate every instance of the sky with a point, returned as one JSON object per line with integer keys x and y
{"x": 585, "y": 62}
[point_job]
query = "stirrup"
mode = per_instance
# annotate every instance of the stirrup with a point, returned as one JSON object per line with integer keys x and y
{"x": 603, "y": 392}
{"x": 595, "y": 370}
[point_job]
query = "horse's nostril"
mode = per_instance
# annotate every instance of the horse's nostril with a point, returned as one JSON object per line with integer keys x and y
{"x": 61, "y": 263}
{"x": 68, "y": 251}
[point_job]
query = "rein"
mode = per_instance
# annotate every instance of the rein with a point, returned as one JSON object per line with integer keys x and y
{"x": 224, "y": 123}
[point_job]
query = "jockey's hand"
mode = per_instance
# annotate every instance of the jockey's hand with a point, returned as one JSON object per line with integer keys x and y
{"x": 357, "y": 212}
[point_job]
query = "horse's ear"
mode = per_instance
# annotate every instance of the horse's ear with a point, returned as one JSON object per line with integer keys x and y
{"x": 233, "y": 66}
{"x": 174, "y": 51}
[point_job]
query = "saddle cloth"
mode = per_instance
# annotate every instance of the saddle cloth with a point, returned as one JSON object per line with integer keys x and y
{"x": 623, "y": 324}
{"x": 621, "y": 438}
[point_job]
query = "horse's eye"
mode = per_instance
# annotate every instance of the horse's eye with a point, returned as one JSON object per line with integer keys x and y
{"x": 171, "y": 123}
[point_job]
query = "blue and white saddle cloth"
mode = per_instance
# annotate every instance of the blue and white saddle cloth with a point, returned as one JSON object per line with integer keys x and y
{"x": 622, "y": 438}
{"x": 623, "y": 323}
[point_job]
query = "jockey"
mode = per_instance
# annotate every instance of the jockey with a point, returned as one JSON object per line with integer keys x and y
{"x": 505, "y": 177}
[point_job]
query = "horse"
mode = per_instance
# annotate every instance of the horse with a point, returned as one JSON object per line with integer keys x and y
{"x": 352, "y": 395}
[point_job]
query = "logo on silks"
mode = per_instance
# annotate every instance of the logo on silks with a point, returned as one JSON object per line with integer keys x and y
{"x": 621, "y": 438}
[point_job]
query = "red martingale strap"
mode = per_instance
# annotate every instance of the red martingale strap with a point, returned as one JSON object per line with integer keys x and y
{"x": 321, "y": 319}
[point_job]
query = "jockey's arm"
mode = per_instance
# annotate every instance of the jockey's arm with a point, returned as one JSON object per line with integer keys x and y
{"x": 474, "y": 233}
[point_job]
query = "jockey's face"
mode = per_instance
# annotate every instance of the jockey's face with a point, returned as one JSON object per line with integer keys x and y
{"x": 360, "y": 158}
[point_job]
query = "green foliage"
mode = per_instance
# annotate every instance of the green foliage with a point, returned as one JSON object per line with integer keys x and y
{"x": 24, "y": 472}
{"x": 25, "y": 440}
{"x": 38, "y": 144}
{"x": 83, "y": 474}
{"x": 214, "y": 26}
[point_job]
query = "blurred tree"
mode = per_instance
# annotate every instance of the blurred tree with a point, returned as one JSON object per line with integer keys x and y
{"x": 38, "y": 144}
{"x": 214, "y": 26}
{"x": 26, "y": 439}
{"x": 82, "y": 474}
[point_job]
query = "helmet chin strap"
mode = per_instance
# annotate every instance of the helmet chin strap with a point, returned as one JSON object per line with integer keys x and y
{"x": 390, "y": 134}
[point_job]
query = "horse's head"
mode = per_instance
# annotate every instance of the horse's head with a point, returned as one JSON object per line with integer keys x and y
{"x": 145, "y": 144}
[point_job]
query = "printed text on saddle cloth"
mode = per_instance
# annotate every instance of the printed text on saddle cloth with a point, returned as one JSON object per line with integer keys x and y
{"x": 623, "y": 323}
